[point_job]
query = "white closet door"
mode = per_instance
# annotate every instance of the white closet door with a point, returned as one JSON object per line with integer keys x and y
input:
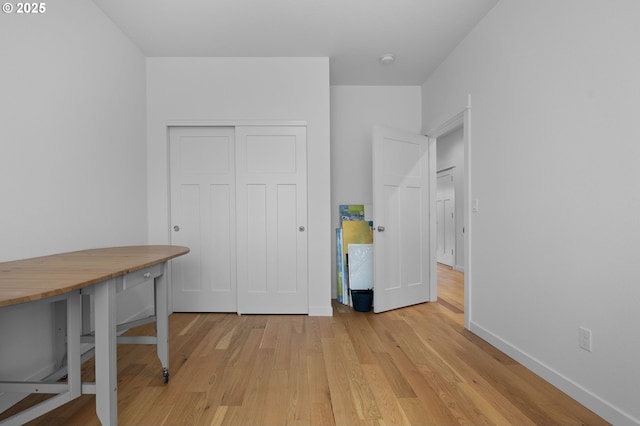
{"x": 271, "y": 197}
{"x": 202, "y": 170}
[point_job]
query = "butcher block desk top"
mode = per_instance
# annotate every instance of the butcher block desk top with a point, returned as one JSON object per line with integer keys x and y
{"x": 37, "y": 278}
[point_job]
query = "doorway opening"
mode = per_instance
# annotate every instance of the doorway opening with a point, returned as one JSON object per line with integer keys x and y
{"x": 451, "y": 148}
{"x": 446, "y": 218}
{"x": 449, "y": 223}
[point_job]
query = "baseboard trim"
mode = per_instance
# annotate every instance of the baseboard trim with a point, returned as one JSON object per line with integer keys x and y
{"x": 320, "y": 311}
{"x": 593, "y": 402}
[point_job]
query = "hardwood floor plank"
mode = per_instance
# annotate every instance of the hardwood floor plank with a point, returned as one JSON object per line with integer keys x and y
{"x": 299, "y": 399}
{"x": 270, "y": 336}
{"x": 283, "y": 346}
{"x": 143, "y": 408}
{"x": 277, "y": 407}
{"x": 410, "y": 366}
{"x": 312, "y": 333}
{"x": 419, "y": 414}
{"x": 322, "y": 414}
{"x": 233, "y": 416}
{"x": 218, "y": 416}
{"x": 237, "y": 376}
{"x": 438, "y": 413}
{"x": 395, "y": 379}
{"x": 362, "y": 396}
{"x": 358, "y": 330}
{"x": 258, "y": 388}
{"x": 448, "y": 343}
{"x": 487, "y": 410}
{"x": 344, "y": 410}
{"x": 187, "y": 409}
{"x": 319, "y": 392}
{"x": 450, "y": 292}
{"x": 386, "y": 398}
{"x": 216, "y": 326}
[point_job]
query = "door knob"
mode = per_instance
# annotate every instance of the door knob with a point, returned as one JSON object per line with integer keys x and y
{"x": 380, "y": 228}
{"x": 176, "y": 228}
{"x": 301, "y": 228}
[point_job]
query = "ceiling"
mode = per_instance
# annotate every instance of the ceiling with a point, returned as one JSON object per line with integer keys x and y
{"x": 354, "y": 34}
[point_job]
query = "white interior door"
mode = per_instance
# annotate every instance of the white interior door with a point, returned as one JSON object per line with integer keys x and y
{"x": 445, "y": 208}
{"x": 271, "y": 194}
{"x": 202, "y": 173}
{"x": 402, "y": 255}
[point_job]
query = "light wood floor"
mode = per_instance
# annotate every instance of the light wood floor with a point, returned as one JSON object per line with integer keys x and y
{"x": 415, "y": 366}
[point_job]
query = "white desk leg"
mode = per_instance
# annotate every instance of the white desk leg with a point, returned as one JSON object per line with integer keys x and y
{"x": 162, "y": 320}
{"x": 105, "y": 345}
{"x": 74, "y": 362}
{"x": 60, "y": 332}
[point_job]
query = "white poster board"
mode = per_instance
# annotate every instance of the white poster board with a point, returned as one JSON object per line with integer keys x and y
{"x": 360, "y": 266}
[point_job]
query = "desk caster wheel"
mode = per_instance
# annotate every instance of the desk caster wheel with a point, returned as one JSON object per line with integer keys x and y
{"x": 165, "y": 374}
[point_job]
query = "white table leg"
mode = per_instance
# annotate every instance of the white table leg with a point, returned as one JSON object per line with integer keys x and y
{"x": 105, "y": 358}
{"x": 60, "y": 332}
{"x": 74, "y": 362}
{"x": 162, "y": 320}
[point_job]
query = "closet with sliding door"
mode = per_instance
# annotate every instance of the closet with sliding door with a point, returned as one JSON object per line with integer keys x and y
{"x": 238, "y": 200}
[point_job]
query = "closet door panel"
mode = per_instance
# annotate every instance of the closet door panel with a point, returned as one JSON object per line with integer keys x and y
{"x": 271, "y": 194}
{"x": 202, "y": 200}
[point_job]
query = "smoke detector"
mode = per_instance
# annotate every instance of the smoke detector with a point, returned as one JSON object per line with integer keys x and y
{"x": 387, "y": 59}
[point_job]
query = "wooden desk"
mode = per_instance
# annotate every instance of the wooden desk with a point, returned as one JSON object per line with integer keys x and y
{"x": 63, "y": 279}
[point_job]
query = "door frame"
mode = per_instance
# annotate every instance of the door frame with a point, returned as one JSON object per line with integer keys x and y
{"x": 461, "y": 119}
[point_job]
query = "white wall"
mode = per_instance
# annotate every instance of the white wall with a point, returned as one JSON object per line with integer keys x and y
{"x": 354, "y": 112}
{"x": 554, "y": 165}
{"x": 450, "y": 152}
{"x": 73, "y": 153}
{"x": 237, "y": 90}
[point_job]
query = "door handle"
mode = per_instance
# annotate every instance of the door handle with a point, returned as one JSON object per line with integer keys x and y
{"x": 380, "y": 228}
{"x": 176, "y": 228}
{"x": 301, "y": 228}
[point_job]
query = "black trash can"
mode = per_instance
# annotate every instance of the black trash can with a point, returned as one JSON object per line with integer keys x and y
{"x": 362, "y": 300}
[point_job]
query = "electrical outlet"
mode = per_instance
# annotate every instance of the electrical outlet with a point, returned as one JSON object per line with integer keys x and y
{"x": 584, "y": 338}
